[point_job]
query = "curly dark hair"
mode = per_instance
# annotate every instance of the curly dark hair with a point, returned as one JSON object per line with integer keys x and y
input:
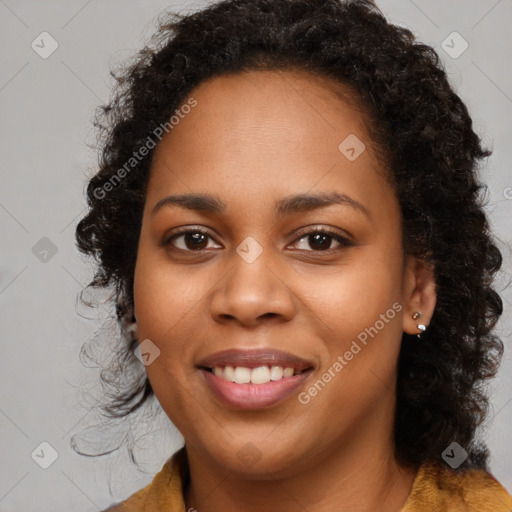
{"x": 417, "y": 121}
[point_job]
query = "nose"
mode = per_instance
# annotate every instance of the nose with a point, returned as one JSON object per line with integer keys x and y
{"x": 252, "y": 293}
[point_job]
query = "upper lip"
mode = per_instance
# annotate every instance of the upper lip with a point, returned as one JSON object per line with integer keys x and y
{"x": 255, "y": 357}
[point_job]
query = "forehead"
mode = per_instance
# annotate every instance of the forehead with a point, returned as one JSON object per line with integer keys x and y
{"x": 262, "y": 131}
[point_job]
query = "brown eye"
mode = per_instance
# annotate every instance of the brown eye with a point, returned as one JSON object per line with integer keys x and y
{"x": 321, "y": 240}
{"x": 191, "y": 240}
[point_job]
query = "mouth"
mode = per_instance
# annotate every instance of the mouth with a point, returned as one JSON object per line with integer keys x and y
{"x": 253, "y": 379}
{"x": 259, "y": 375}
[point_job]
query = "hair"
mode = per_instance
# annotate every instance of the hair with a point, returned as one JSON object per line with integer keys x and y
{"x": 419, "y": 123}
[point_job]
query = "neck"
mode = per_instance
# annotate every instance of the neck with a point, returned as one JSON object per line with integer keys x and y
{"x": 360, "y": 476}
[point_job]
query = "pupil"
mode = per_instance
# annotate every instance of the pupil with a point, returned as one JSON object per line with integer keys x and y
{"x": 197, "y": 239}
{"x": 321, "y": 240}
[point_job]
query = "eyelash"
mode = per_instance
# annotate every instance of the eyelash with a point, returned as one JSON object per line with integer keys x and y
{"x": 343, "y": 241}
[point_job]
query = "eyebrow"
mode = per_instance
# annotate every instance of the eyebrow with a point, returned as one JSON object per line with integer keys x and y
{"x": 290, "y": 205}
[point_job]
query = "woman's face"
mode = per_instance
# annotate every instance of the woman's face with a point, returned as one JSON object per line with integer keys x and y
{"x": 293, "y": 260}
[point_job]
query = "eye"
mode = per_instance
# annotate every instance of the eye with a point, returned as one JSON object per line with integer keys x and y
{"x": 320, "y": 240}
{"x": 189, "y": 240}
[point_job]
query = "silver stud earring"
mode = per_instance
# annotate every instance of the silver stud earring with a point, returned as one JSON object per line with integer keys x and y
{"x": 422, "y": 328}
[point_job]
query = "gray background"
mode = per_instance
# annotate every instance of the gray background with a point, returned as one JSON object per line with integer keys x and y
{"x": 47, "y": 106}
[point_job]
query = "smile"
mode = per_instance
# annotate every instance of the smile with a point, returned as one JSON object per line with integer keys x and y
{"x": 253, "y": 379}
{"x": 259, "y": 375}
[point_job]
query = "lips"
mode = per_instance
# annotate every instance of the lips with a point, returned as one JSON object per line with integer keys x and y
{"x": 255, "y": 358}
{"x": 254, "y": 379}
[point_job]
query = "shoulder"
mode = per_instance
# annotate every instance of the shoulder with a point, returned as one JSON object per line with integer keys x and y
{"x": 113, "y": 508}
{"x": 164, "y": 491}
{"x": 136, "y": 502}
{"x": 439, "y": 487}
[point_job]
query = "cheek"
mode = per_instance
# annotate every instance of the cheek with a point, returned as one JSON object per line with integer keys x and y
{"x": 166, "y": 302}
{"x": 164, "y": 295}
{"x": 361, "y": 306}
{"x": 363, "y": 312}
{"x": 355, "y": 295}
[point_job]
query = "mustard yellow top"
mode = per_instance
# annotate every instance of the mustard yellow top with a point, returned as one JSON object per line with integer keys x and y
{"x": 437, "y": 488}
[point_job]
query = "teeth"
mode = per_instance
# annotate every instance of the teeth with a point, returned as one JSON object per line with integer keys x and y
{"x": 288, "y": 372}
{"x": 260, "y": 375}
{"x": 229, "y": 373}
{"x": 242, "y": 375}
{"x": 276, "y": 373}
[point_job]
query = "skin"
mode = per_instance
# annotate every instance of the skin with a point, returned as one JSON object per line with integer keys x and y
{"x": 253, "y": 139}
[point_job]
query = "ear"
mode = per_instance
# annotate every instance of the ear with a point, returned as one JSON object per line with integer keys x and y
{"x": 419, "y": 294}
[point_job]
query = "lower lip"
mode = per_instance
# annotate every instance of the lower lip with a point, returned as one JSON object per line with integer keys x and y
{"x": 253, "y": 396}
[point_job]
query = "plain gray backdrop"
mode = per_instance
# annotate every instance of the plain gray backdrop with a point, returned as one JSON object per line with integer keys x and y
{"x": 47, "y": 104}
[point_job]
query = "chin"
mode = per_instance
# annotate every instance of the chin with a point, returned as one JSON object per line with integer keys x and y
{"x": 257, "y": 459}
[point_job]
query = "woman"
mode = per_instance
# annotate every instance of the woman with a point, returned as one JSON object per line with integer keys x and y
{"x": 288, "y": 209}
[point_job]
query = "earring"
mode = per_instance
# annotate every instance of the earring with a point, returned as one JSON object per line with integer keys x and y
{"x": 421, "y": 327}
